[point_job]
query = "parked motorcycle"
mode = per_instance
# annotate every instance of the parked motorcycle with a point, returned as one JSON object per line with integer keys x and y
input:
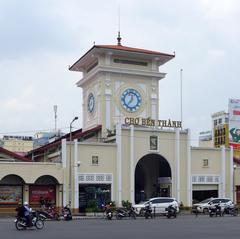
{"x": 21, "y": 223}
{"x": 215, "y": 210}
{"x": 66, "y": 212}
{"x": 171, "y": 211}
{"x": 108, "y": 211}
{"x": 231, "y": 210}
{"x": 147, "y": 211}
{"x": 125, "y": 212}
{"x": 49, "y": 212}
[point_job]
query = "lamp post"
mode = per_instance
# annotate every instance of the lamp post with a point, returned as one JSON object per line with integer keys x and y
{"x": 234, "y": 191}
{"x": 70, "y": 161}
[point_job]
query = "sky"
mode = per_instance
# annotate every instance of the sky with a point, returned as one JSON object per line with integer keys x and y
{"x": 41, "y": 38}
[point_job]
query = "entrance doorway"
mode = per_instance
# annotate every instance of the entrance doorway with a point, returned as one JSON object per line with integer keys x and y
{"x": 93, "y": 196}
{"x": 152, "y": 178}
{"x": 201, "y": 195}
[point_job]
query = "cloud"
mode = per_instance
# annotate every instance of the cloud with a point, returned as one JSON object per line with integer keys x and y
{"x": 20, "y": 104}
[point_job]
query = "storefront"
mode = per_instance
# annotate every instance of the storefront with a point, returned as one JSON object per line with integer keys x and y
{"x": 46, "y": 193}
{"x": 11, "y": 191}
{"x": 98, "y": 194}
{"x": 11, "y": 195}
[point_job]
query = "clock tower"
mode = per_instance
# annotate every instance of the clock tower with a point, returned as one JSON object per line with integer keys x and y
{"x": 119, "y": 82}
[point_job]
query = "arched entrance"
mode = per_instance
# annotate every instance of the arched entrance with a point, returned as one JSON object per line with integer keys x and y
{"x": 43, "y": 190}
{"x": 152, "y": 177}
{"x": 46, "y": 180}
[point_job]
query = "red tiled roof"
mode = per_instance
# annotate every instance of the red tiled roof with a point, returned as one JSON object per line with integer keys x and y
{"x": 13, "y": 155}
{"x": 122, "y": 48}
{"x": 131, "y": 49}
{"x": 75, "y": 135}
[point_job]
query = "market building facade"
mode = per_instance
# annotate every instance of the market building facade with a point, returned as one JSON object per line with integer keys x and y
{"x": 124, "y": 151}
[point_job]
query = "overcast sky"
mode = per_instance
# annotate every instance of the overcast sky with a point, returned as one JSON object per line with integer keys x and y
{"x": 41, "y": 38}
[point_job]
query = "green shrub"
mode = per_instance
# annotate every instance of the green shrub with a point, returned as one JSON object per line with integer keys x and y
{"x": 126, "y": 204}
{"x": 92, "y": 206}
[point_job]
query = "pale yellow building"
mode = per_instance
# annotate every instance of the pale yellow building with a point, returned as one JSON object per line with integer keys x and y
{"x": 124, "y": 151}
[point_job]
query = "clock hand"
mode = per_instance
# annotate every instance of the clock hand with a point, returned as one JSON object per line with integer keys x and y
{"x": 131, "y": 99}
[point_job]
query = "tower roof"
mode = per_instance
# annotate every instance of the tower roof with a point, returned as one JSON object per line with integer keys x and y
{"x": 148, "y": 54}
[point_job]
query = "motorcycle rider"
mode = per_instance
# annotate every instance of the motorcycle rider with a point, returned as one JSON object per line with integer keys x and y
{"x": 27, "y": 213}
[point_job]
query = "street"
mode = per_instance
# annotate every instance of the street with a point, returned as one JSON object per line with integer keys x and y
{"x": 185, "y": 226}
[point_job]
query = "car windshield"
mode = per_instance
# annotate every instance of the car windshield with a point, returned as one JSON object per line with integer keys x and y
{"x": 206, "y": 200}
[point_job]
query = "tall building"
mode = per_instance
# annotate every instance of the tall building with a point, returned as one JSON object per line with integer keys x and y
{"x": 220, "y": 122}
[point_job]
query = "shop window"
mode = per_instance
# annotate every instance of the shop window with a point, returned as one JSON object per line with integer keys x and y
{"x": 205, "y": 163}
{"x": 95, "y": 161}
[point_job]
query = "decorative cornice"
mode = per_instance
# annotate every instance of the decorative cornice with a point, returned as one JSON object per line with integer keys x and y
{"x": 112, "y": 69}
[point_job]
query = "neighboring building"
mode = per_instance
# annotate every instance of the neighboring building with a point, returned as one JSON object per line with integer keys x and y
{"x": 205, "y": 139}
{"x": 42, "y": 138}
{"x": 18, "y": 144}
{"x": 220, "y": 122}
{"x": 124, "y": 151}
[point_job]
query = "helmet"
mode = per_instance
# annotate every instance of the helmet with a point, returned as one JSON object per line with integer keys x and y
{"x": 25, "y": 203}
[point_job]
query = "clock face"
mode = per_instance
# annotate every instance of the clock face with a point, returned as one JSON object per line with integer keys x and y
{"x": 131, "y": 100}
{"x": 90, "y": 103}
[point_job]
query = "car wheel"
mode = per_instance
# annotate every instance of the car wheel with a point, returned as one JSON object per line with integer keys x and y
{"x": 205, "y": 211}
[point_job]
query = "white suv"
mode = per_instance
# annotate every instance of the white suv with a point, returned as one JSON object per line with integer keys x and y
{"x": 203, "y": 206}
{"x": 158, "y": 205}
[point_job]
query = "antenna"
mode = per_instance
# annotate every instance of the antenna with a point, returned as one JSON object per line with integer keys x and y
{"x": 55, "y": 117}
{"x": 119, "y": 18}
{"x": 119, "y": 35}
{"x": 181, "y": 71}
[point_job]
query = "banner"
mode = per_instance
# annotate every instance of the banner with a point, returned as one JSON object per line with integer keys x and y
{"x": 45, "y": 192}
{"x": 10, "y": 194}
{"x": 234, "y": 123}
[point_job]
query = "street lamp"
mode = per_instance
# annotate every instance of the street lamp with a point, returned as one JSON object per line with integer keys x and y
{"x": 234, "y": 168}
{"x": 70, "y": 161}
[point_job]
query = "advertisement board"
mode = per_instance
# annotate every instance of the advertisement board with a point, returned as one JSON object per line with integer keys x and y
{"x": 10, "y": 194}
{"x": 46, "y": 192}
{"x": 234, "y": 123}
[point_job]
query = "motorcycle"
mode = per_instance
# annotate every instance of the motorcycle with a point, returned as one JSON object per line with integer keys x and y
{"x": 66, "y": 212}
{"x": 171, "y": 211}
{"x": 124, "y": 212}
{"x": 147, "y": 211}
{"x": 215, "y": 210}
{"x": 21, "y": 222}
{"x": 231, "y": 210}
{"x": 109, "y": 213}
{"x": 49, "y": 212}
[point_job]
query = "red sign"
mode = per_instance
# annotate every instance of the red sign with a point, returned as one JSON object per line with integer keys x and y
{"x": 38, "y": 191}
{"x": 236, "y": 112}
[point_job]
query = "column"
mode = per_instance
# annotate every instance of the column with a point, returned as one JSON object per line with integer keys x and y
{"x": 223, "y": 172}
{"x": 119, "y": 163}
{"x": 64, "y": 165}
{"x": 75, "y": 176}
{"x": 231, "y": 173}
{"x": 132, "y": 173}
{"x": 177, "y": 164}
{"x": 189, "y": 169}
